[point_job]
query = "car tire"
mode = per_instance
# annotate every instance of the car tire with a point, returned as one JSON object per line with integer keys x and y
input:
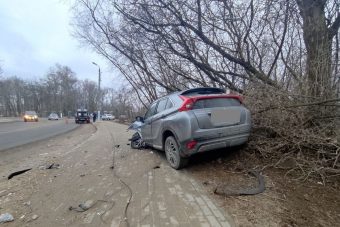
{"x": 172, "y": 152}
{"x": 136, "y": 142}
{"x": 25, "y": 120}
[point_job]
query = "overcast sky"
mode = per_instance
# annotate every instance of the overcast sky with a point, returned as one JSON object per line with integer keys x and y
{"x": 36, "y": 34}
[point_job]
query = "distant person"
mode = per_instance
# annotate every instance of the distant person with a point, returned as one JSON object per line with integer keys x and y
{"x": 94, "y": 116}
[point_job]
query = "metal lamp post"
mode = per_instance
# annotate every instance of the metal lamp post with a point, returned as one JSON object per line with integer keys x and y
{"x": 99, "y": 91}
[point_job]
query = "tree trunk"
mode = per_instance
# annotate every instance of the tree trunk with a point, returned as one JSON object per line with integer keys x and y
{"x": 318, "y": 41}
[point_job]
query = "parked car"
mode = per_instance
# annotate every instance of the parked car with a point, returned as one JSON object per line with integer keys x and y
{"x": 53, "y": 116}
{"x": 82, "y": 116}
{"x": 31, "y": 116}
{"x": 193, "y": 121}
{"x": 107, "y": 117}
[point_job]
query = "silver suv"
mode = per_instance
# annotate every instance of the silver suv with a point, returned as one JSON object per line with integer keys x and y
{"x": 193, "y": 121}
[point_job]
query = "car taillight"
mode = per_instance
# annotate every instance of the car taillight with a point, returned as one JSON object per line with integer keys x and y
{"x": 188, "y": 104}
{"x": 191, "y": 144}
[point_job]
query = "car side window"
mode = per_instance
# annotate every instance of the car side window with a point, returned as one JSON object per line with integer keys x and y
{"x": 150, "y": 111}
{"x": 169, "y": 104}
{"x": 161, "y": 105}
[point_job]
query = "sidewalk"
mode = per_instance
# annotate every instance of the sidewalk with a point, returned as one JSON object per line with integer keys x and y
{"x": 161, "y": 196}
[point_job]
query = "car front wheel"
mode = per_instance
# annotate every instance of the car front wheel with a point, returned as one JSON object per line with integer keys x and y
{"x": 172, "y": 153}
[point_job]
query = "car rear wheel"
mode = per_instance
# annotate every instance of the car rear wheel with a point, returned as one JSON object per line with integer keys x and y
{"x": 172, "y": 153}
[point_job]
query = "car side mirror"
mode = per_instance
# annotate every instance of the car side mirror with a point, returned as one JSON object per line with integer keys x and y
{"x": 139, "y": 118}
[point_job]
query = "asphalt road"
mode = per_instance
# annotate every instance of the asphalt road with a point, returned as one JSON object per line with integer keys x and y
{"x": 14, "y": 134}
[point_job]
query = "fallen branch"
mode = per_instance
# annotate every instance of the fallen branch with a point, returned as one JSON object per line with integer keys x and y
{"x": 18, "y": 173}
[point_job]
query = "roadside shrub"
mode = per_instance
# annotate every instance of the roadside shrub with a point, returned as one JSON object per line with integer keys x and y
{"x": 289, "y": 126}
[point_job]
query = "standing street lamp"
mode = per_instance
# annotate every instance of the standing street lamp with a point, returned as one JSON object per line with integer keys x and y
{"x": 99, "y": 91}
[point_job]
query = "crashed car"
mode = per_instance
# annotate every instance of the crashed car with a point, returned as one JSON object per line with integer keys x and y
{"x": 196, "y": 120}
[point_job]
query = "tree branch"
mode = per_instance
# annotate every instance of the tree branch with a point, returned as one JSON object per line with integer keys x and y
{"x": 334, "y": 28}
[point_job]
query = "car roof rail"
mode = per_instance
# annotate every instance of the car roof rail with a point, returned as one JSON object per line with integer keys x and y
{"x": 203, "y": 91}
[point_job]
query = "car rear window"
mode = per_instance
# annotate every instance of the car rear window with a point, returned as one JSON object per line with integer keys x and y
{"x": 216, "y": 102}
{"x": 169, "y": 104}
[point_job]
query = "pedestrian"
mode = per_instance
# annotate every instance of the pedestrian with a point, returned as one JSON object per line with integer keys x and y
{"x": 94, "y": 116}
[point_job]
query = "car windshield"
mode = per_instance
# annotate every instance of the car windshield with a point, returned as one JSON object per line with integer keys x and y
{"x": 30, "y": 113}
{"x": 82, "y": 114}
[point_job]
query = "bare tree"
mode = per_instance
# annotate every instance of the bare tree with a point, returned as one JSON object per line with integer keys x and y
{"x": 318, "y": 33}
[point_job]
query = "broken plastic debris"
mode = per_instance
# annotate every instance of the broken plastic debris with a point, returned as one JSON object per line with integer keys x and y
{"x": 87, "y": 205}
{"x": 28, "y": 203}
{"x": 53, "y": 166}
{"x": 34, "y": 217}
{"x": 83, "y": 206}
{"x": 6, "y": 217}
{"x": 17, "y": 173}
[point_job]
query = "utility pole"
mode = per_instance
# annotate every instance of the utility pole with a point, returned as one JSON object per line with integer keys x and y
{"x": 99, "y": 91}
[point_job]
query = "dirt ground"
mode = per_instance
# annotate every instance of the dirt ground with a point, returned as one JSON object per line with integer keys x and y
{"x": 285, "y": 202}
{"x": 95, "y": 166}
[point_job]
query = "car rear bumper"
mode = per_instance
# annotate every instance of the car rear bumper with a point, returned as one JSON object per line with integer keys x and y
{"x": 213, "y": 144}
{"x": 208, "y": 140}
